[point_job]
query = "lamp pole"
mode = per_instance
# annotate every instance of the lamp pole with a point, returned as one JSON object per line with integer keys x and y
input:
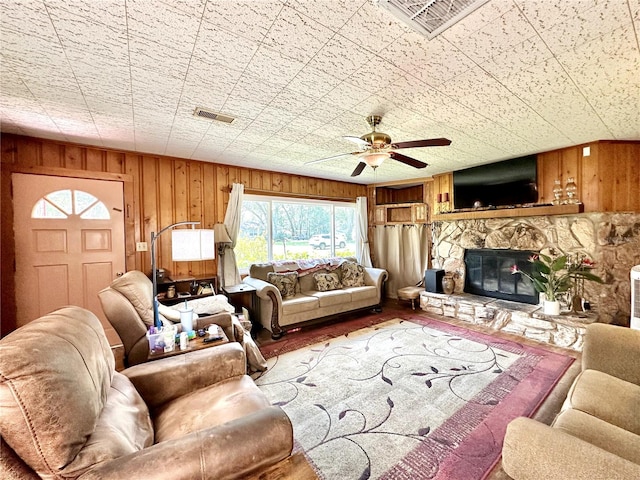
{"x": 156, "y": 318}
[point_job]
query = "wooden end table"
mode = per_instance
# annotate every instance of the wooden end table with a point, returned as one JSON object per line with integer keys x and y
{"x": 194, "y": 344}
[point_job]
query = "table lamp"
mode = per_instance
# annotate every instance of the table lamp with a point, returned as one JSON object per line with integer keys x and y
{"x": 187, "y": 245}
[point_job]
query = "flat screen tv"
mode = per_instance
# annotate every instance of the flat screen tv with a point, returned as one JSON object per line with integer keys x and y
{"x": 507, "y": 183}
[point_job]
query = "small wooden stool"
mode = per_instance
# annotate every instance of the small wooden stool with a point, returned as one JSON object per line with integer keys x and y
{"x": 410, "y": 293}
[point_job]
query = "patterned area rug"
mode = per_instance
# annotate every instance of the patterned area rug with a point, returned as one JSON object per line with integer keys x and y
{"x": 417, "y": 399}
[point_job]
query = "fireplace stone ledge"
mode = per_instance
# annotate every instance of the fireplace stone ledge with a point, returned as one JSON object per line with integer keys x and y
{"x": 566, "y": 330}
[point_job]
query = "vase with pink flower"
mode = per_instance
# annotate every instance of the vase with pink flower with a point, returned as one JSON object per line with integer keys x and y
{"x": 553, "y": 276}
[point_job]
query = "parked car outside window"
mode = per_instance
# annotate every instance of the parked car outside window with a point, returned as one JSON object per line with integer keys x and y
{"x": 323, "y": 241}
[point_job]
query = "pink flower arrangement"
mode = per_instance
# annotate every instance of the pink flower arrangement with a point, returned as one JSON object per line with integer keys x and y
{"x": 552, "y": 276}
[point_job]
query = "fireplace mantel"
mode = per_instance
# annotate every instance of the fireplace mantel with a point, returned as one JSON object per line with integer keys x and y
{"x": 510, "y": 212}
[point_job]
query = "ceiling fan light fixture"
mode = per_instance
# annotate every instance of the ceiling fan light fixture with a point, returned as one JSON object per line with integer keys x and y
{"x": 374, "y": 160}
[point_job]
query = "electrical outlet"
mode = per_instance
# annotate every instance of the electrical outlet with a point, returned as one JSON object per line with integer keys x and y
{"x": 141, "y": 247}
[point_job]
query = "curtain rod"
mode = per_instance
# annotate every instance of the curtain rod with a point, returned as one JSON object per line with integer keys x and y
{"x": 256, "y": 191}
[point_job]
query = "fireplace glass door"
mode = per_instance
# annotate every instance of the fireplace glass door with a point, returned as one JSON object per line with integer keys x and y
{"x": 489, "y": 274}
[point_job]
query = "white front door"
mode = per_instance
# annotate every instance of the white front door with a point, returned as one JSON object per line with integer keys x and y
{"x": 69, "y": 239}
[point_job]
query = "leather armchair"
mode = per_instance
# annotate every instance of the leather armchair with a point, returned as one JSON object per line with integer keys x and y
{"x": 66, "y": 413}
{"x": 127, "y": 305}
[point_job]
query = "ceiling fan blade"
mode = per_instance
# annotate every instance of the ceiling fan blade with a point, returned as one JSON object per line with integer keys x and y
{"x": 359, "y": 169}
{"x": 432, "y": 142}
{"x": 357, "y": 140}
{"x": 407, "y": 160}
{"x": 331, "y": 158}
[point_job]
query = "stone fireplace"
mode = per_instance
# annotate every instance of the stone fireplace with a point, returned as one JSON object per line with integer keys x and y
{"x": 612, "y": 240}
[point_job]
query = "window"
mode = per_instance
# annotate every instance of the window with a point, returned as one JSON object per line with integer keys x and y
{"x": 64, "y": 203}
{"x": 288, "y": 229}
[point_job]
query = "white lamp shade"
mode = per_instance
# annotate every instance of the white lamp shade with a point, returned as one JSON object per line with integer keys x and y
{"x": 375, "y": 159}
{"x": 189, "y": 245}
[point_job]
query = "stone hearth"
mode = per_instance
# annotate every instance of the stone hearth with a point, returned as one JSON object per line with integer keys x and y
{"x": 565, "y": 330}
{"x": 612, "y": 240}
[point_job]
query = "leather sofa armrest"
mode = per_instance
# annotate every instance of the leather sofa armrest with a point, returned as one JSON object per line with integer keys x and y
{"x": 232, "y": 450}
{"x": 613, "y": 350}
{"x": 166, "y": 379}
{"x": 533, "y": 450}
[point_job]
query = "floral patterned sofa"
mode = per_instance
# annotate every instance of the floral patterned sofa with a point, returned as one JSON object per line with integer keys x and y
{"x": 291, "y": 293}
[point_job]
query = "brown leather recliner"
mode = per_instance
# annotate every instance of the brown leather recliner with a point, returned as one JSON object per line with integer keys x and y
{"x": 66, "y": 413}
{"x": 127, "y": 305}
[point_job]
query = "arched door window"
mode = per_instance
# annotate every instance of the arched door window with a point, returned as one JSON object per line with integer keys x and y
{"x": 65, "y": 203}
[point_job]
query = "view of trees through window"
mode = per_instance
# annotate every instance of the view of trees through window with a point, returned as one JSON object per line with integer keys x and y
{"x": 277, "y": 229}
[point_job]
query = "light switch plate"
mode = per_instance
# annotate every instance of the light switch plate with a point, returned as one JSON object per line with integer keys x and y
{"x": 141, "y": 247}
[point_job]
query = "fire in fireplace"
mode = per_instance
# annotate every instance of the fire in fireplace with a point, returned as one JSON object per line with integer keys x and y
{"x": 489, "y": 274}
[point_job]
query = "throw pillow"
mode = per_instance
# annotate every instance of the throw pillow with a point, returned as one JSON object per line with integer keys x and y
{"x": 285, "y": 282}
{"x": 352, "y": 274}
{"x": 327, "y": 281}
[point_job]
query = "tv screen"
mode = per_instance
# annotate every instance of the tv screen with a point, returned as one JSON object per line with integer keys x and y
{"x": 507, "y": 183}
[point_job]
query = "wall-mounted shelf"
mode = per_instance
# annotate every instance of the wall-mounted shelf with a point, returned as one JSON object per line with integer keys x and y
{"x": 510, "y": 212}
{"x": 400, "y": 213}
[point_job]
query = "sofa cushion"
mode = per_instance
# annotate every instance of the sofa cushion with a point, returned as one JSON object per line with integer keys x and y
{"x": 285, "y": 282}
{"x": 56, "y": 376}
{"x": 332, "y": 297}
{"x": 607, "y": 398}
{"x": 352, "y": 274}
{"x": 138, "y": 289}
{"x": 327, "y": 281}
{"x": 362, "y": 293}
{"x": 614, "y": 439}
{"x": 300, "y": 303}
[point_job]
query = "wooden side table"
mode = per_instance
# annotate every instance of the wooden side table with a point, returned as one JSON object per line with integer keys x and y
{"x": 242, "y": 295}
{"x": 197, "y": 343}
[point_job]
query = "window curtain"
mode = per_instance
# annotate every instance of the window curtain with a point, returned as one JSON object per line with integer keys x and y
{"x": 363, "y": 252}
{"x": 232, "y": 222}
{"x": 403, "y": 251}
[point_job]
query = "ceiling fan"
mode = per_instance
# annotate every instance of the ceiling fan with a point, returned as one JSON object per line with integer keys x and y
{"x": 376, "y": 147}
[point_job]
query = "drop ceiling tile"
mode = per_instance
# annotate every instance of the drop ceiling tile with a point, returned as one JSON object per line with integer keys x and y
{"x": 29, "y": 17}
{"x": 345, "y": 95}
{"x": 88, "y": 34}
{"x": 162, "y": 24}
{"x": 373, "y": 104}
{"x": 476, "y": 20}
{"x": 340, "y": 58}
{"x": 251, "y": 20}
{"x": 239, "y": 107}
{"x": 333, "y": 14}
{"x": 296, "y": 36}
{"x": 373, "y": 28}
{"x": 374, "y": 75}
{"x": 432, "y": 61}
{"x": 543, "y": 14}
{"x": 157, "y": 58}
{"x": 216, "y": 45}
{"x": 584, "y": 27}
{"x": 282, "y": 69}
{"x": 256, "y": 89}
{"x": 323, "y": 112}
{"x": 523, "y": 55}
{"x": 313, "y": 82}
{"x": 498, "y": 36}
{"x": 180, "y": 148}
{"x": 292, "y": 102}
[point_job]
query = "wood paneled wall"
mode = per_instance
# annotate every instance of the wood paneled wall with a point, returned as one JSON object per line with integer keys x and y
{"x": 159, "y": 191}
{"x": 608, "y": 179}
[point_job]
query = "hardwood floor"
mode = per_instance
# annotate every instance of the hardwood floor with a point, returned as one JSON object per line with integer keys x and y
{"x": 545, "y": 413}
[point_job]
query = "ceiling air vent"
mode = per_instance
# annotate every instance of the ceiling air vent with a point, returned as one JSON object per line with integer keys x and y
{"x": 430, "y": 17}
{"x": 211, "y": 115}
